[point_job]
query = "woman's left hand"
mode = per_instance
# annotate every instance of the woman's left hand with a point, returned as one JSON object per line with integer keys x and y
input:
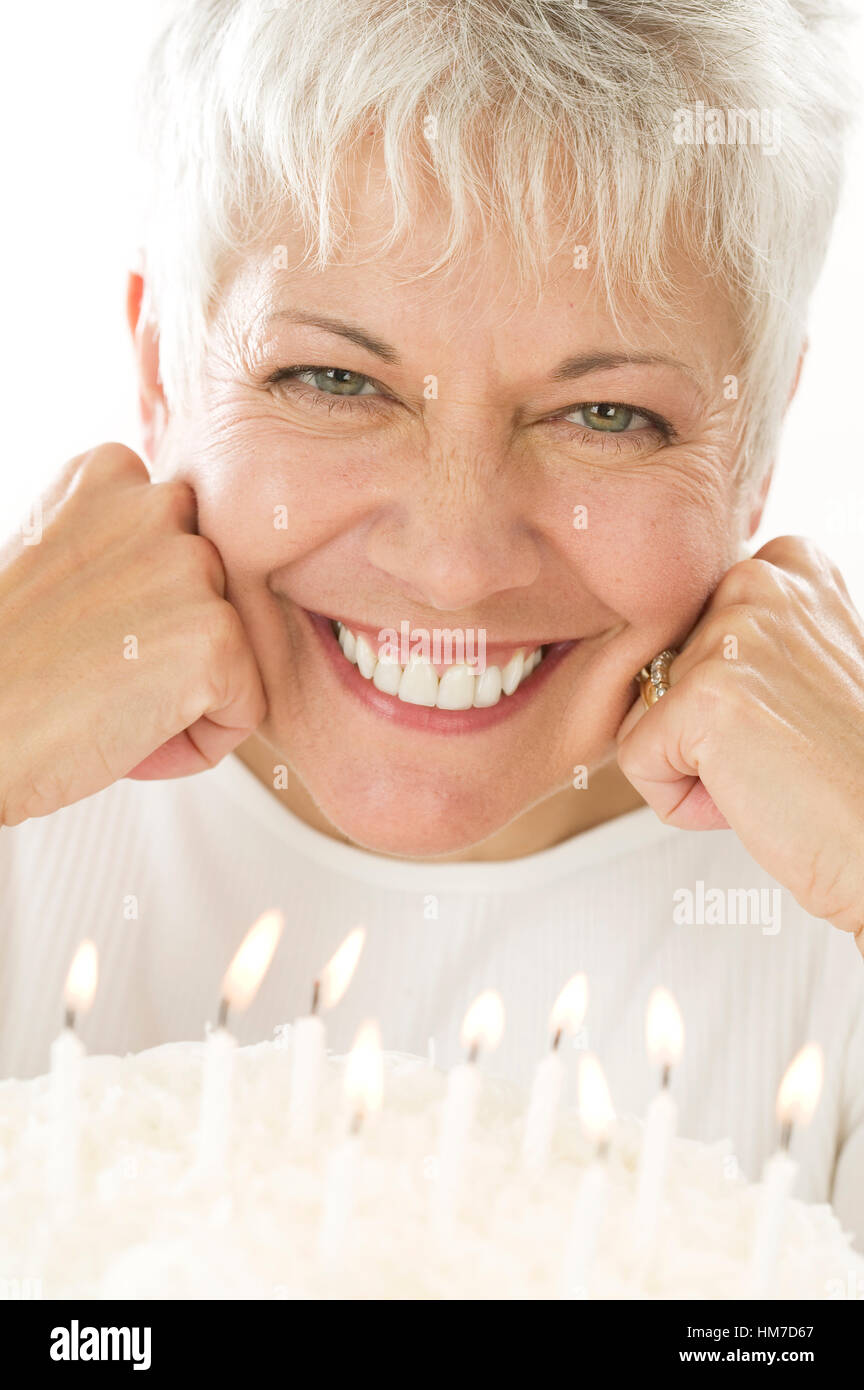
{"x": 762, "y": 728}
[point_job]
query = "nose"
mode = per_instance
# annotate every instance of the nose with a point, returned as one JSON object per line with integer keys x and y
{"x": 458, "y": 531}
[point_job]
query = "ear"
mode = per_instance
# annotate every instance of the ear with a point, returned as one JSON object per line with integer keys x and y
{"x": 761, "y": 497}
{"x": 799, "y": 366}
{"x": 145, "y": 338}
{"x": 758, "y": 502}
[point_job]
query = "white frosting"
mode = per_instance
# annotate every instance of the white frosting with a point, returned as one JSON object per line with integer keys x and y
{"x": 142, "y": 1226}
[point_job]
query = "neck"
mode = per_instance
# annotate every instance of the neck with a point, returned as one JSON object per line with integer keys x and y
{"x": 559, "y": 817}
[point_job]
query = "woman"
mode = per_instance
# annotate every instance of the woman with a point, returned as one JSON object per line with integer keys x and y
{"x": 466, "y": 323}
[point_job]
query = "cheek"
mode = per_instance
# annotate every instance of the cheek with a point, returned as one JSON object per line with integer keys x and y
{"x": 655, "y": 543}
{"x": 267, "y": 497}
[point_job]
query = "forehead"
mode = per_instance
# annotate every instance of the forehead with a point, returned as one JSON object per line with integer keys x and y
{"x": 481, "y": 301}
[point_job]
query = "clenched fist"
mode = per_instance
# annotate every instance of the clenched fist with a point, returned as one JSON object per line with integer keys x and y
{"x": 119, "y": 653}
{"x": 762, "y": 729}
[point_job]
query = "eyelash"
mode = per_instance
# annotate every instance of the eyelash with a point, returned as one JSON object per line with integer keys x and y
{"x": 595, "y": 439}
{"x": 319, "y": 398}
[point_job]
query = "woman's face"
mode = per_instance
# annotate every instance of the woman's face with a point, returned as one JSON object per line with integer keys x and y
{"x": 437, "y": 462}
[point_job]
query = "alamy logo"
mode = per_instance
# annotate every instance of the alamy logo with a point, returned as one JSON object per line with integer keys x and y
{"x": 712, "y": 125}
{"x": 76, "y": 1343}
{"x": 444, "y": 646}
{"x": 728, "y": 907}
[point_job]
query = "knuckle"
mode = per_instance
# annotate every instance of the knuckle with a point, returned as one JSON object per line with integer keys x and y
{"x": 174, "y": 501}
{"x": 109, "y": 463}
{"x": 747, "y": 581}
{"x": 222, "y": 630}
{"x": 201, "y": 559}
{"x": 224, "y": 641}
{"x": 800, "y": 553}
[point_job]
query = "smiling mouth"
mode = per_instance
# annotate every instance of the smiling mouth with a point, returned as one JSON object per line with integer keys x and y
{"x": 417, "y": 682}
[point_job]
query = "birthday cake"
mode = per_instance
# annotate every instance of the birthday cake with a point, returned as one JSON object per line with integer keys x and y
{"x": 143, "y": 1220}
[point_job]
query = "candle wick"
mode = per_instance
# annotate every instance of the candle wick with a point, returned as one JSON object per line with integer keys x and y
{"x": 556, "y": 1040}
{"x": 665, "y": 1076}
{"x": 316, "y": 997}
{"x": 69, "y": 1019}
{"x": 222, "y": 1018}
{"x": 474, "y": 1052}
{"x": 602, "y": 1149}
{"x": 786, "y": 1135}
{"x": 356, "y": 1122}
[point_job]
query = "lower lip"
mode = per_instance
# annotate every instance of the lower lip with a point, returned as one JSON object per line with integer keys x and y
{"x": 421, "y": 717}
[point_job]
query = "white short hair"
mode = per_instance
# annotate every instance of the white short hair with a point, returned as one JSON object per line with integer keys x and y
{"x": 601, "y": 117}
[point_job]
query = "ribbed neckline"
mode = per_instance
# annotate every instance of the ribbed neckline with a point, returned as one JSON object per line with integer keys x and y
{"x": 625, "y": 833}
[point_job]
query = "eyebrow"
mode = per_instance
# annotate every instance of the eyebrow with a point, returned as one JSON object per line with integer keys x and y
{"x": 587, "y": 362}
{"x": 351, "y": 331}
{"x": 568, "y": 370}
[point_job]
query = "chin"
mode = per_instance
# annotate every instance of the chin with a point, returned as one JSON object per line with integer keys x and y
{"x": 414, "y": 817}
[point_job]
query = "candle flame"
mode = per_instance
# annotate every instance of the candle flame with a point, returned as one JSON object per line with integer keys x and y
{"x": 800, "y": 1088}
{"x": 570, "y": 1006}
{"x": 339, "y": 970}
{"x": 252, "y": 961}
{"x": 664, "y": 1029}
{"x": 364, "y": 1071}
{"x": 595, "y": 1103}
{"x": 82, "y": 978}
{"x": 483, "y": 1024}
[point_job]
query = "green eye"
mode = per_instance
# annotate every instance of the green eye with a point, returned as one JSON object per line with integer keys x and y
{"x": 608, "y": 418}
{"x": 336, "y": 381}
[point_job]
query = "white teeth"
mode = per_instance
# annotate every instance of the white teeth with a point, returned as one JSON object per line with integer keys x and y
{"x": 488, "y": 688}
{"x": 418, "y": 683}
{"x": 456, "y": 688}
{"x": 366, "y": 658}
{"x": 348, "y": 642}
{"x": 512, "y": 673}
{"x": 388, "y": 677}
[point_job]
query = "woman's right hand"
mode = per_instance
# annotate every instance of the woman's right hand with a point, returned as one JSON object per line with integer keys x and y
{"x": 119, "y": 653}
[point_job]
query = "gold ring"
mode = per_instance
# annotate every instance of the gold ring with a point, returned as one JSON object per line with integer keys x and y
{"x": 654, "y": 678}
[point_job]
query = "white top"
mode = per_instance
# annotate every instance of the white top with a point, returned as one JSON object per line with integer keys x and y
{"x": 166, "y": 877}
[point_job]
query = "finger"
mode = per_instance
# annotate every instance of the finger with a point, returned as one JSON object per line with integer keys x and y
{"x": 797, "y": 554}
{"x": 209, "y": 739}
{"x": 104, "y": 466}
{"x": 652, "y": 758}
{"x": 200, "y": 747}
{"x": 800, "y": 556}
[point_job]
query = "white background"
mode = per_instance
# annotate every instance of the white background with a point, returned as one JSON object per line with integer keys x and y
{"x": 68, "y": 234}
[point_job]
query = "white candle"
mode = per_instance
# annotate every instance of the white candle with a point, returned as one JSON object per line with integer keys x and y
{"x": 597, "y": 1114}
{"x": 542, "y": 1111}
{"x": 308, "y": 1050}
{"x": 309, "y": 1036}
{"x": 778, "y": 1179}
{"x": 239, "y": 987}
{"x": 797, "y": 1099}
{"x": 588, "y": 1217}
{"x": 364, "y": 1081}
{"x": 482, "y": 1028}
{"x": 214, "y": 1124}
{"x": 67, "y": 1054}
{"x": 340, "y": 1179}
{"x": 460, "y": 1103}
{"x": 567, "y": 1016}
{"x": 664, "y": 1029}
{"x": 660, "y": 1125}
